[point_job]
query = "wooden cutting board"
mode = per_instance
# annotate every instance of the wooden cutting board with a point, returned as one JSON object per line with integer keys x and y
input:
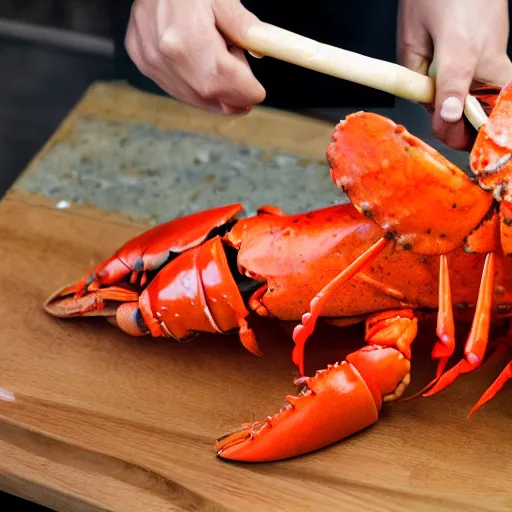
{"x": 91, "y": 419}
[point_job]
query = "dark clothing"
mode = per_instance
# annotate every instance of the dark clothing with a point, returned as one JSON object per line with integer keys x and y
{"x": 366, "y": 26}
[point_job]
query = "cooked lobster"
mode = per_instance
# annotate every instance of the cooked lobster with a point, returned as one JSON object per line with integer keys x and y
{"x": 419, "y": 236}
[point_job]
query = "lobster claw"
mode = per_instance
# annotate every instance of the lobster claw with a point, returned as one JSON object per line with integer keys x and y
{"x": 337, "y": 402}
{"x": 490, "y": 158}
{"x": 384, "y": 169}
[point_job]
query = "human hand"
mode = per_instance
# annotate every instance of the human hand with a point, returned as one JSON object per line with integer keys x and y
{"x": 468, "y": 41}
{"x": 184, "y": 47}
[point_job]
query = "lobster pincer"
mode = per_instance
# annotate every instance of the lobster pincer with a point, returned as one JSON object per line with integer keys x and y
{"x": 337, "y": 401}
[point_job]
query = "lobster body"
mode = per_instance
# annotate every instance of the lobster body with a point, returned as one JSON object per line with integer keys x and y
{"x": 310, "y": 249}
{"x": 383, "y": 260}
{"x": 198, "y": 289}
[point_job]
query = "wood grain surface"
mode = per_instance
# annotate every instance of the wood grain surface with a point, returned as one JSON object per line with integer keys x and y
{"x": 92, "y": 419}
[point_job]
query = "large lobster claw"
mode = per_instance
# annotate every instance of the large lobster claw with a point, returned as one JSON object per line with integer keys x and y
{"x": 384, "y": 170}
{"x": 337, "y": 402}
{"x": 334, "y": 404}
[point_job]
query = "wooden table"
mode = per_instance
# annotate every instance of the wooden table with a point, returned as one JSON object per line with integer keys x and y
{"x": 91, "y": 419}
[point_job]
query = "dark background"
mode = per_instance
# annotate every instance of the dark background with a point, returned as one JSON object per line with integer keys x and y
{"x": 52, "y": 50}
{"x": 366, "y": 27}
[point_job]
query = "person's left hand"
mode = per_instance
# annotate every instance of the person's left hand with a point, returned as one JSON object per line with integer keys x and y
{"x": 468, "y": 41}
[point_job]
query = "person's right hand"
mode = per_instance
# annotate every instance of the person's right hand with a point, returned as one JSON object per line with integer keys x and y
{"x": 184, "y": 47}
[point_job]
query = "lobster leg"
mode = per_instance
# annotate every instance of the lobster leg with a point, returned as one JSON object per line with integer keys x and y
{"x": 476, "y": 344}
{"x": 493, "y": 389}
{"x": 337, "y": 401}
{"x": 445, "y": 346}
{"x": 304, "y": 330}
{"x": 92, "y": 304}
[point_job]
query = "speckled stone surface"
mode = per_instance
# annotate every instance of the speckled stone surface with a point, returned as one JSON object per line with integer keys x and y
{"x": 153, "y": 175}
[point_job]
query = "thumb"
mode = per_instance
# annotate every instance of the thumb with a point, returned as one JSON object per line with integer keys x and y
{"x": 454, "y": 75}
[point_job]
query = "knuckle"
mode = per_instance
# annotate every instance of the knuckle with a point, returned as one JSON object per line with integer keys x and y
{"x": 142, "y": 66}
{"x": 260, "y": 94}
{"x": 464, "y": 71}
{"x": 225, "y": 70}
{"x": 209, "y": 89}
{"x": 129, "y": 44}
{"x": 134, "y": 53}
{"x": 463, "y": 61}
{"x": 151, "y": 56}
{"x": 239, "y": 22}
{"x": 456, "y": 75}
{"x": 137, "y": 11}
{"x": 172, "y": 46}
{"x": 456, "y": 81}
{"x": 244, "y": 87}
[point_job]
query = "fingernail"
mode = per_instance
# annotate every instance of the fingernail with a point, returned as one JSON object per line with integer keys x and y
{"x": 451, "y": 110}
{"x": 226, "y": 109}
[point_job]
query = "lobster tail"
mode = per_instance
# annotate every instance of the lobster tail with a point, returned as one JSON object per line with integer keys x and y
{"x": 130, "y": 266}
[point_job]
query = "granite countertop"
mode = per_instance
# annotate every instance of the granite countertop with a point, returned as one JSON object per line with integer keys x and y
{"x": 152, "y": 174}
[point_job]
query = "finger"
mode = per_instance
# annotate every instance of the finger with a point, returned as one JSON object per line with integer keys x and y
{"x": 133, "y": 46}
{"x": 415, "y": 61}
{"x": 414, "y": 43}
{"x": 233, "y": 20}
{"x": 416, "y": 54}
{"x": 215, "y": 74}
{"x": 496, "y": 70}
{"x": 238, "y": 87}
{"x": 454, "y": 75}
{"x": 214, "y": 71}
{"x": 146, "y": 54}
